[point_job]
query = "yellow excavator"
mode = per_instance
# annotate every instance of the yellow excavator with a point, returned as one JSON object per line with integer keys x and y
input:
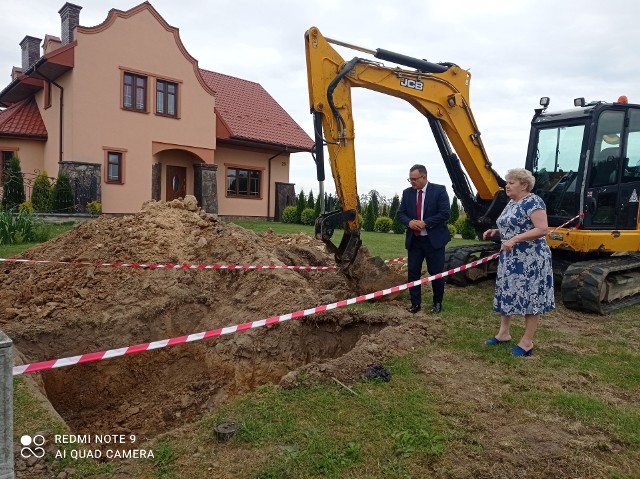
{"x": 586, "y": 161}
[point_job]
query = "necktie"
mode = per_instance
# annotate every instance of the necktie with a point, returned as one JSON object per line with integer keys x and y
{"x": 418, "y": 211}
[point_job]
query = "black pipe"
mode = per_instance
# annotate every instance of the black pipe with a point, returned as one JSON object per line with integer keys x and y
{"x": 319, "y": 145}
{"x": 421, "y": 65}
{"x": 332, "y": 86}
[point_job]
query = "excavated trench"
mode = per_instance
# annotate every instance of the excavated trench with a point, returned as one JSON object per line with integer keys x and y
{"x": 154, "y": 391}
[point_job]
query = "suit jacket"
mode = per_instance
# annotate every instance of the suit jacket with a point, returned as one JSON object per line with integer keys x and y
{"x": 435, "y": 214}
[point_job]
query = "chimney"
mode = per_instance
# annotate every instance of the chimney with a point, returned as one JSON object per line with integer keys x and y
{"x": 15, "y": 73}
{"x": 70, "y": 15}
{"x": 30, "y": 51}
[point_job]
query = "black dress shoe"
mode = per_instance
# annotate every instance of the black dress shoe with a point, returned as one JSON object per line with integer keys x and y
{"x": 437, "y": 307}
{"x": 414, "y": 308}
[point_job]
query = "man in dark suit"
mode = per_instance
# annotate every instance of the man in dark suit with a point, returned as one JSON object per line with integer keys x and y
{"x": 425, "y": 210}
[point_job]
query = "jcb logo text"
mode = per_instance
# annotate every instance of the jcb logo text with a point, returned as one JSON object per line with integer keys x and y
{"x": 416, "y": 85}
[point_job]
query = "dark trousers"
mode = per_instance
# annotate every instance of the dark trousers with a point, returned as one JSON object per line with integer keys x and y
{"x": 419, "y": 251}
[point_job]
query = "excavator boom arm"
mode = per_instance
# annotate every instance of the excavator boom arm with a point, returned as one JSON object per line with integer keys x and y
{"x": 438, "y": 91}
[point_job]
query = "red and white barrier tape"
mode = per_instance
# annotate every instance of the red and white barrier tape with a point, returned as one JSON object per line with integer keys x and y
{"x": 395, "y": 260}
{"x": 580, "y": 215}
{"x": 163, "y": 266}
{"x": 112, "y": 353}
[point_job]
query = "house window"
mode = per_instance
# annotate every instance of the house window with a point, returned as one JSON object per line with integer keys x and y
{"x": 114, "y": 167}
{"x": 134, "y": 93}
{"x": 166, "y": 98}
{"x": 242, "y": 182}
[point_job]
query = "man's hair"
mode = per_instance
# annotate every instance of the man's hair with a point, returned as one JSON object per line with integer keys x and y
{"x": 421, "y": 169}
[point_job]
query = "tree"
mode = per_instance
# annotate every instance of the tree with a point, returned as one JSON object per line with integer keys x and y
{"x": 13, "y": 193}
{"x": 317, "y": 206}
{"x": 41, "y": 193}
{"x": 455, "y": 211}
{"x": 62, "y": 194}
{"x": 374, "y": 198}
{"x": 385, "y": 210}
{"x": 369, "y": 218}
{"x": 310, "y": 201}
{"x": 301, "y": 204}
{"x": 396, "y": 227}
{"x": 358, "y": 205}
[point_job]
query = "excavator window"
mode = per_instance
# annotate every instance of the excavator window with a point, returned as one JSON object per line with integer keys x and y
{"x": 631, "y": 170}
{"x": 606, "y": 161}
{"x": 558, "y": 158}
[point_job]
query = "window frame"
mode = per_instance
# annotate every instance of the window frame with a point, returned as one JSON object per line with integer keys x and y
{"x": 248, "y": 170}
{"x": 134, "y": 92}
{"x": 121, "y": 154}
{"x": 166, "y": 96}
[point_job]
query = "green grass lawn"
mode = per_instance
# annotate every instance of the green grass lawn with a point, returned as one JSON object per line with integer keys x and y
{"x": 52, "y": 229}
{"x": 385, "y": 245}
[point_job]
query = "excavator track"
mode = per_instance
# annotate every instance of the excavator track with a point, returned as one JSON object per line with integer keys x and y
{"x": 459, "y": 255}
{"x": 602, "y": 285}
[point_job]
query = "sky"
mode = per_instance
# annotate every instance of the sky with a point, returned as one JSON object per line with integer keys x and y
{"x": 516, "y": 52}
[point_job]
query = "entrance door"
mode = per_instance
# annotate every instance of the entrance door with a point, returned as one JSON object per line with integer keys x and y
{"x": 176, "y": 182}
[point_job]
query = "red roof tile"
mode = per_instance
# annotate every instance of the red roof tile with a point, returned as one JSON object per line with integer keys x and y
{"x": 22, "y": 119}
{"x": 252, "y": 114}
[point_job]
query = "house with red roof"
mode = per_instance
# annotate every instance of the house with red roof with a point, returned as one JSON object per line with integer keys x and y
{"x": 127, "y": 112}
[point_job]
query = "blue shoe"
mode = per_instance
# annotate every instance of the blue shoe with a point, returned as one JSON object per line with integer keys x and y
{"x": 518, "y": 351}
{"x": 495, "y": 341}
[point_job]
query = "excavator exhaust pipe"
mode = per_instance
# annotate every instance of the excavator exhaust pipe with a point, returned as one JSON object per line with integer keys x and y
{"x": 326, "y": 224}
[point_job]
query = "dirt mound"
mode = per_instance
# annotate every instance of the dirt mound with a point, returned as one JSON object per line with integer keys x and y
{"x": 53, "y": 311}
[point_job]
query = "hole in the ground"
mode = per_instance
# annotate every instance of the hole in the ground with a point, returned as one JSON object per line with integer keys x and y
{"x": 154, "y": 391}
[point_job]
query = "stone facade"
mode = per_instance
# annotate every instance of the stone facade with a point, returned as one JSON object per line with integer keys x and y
{"x": 85, "y": 182}
{"x": 206, "y": 186}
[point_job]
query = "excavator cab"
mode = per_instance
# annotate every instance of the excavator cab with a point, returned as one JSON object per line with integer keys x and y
{"x": 586, "y": 161}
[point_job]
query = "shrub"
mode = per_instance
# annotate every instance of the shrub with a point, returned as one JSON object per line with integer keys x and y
{"x": 17, "y": 227}
{"x": 452, "y": 230}
{"x": 41, "y": 194}
{"x": 62, "y": 195}
{"x": 397, "y": 227}
{"x": 308, "y": 216}
{"x": 26, "y": 206}
{"x": 13, "y": 192}
{"x": 289, "y": 214}
{"x": 94, "y": 208}
{"x": 468, "y": 232}
{"x": 383, "y": 224}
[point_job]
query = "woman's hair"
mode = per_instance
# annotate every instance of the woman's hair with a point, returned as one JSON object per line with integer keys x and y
{"x": 523, "y": 176}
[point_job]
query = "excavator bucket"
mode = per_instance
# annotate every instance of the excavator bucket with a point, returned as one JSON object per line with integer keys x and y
{"x": 349, "y": 245}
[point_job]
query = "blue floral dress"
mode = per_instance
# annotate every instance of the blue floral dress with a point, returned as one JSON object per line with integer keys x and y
{"x": 524, "y": 284}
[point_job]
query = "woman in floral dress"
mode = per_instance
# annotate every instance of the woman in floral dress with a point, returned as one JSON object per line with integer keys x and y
{"x": 524, "y": 284}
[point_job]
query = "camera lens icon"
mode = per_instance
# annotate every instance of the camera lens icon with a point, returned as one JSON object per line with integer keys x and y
{"x": 37, "y": 441}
